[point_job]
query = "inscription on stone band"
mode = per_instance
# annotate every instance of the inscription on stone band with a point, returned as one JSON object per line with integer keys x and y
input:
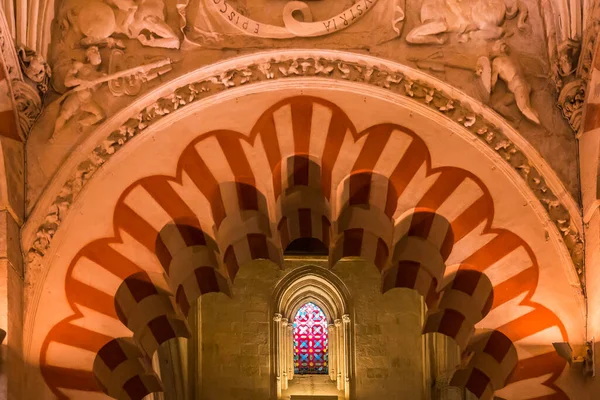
{"x": 293, "y": 27}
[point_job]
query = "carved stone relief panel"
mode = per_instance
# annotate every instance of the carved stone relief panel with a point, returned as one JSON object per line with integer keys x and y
{"x": 444, "y": 37}
{"x": 120, "y": 43}
{"x": 244, "y": 23}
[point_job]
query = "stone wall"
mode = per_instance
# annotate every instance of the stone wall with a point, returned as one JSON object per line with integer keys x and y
{"x": 236, "y": 342}
{"x": 388, "y": 360}
{"x": 235, "y": 336}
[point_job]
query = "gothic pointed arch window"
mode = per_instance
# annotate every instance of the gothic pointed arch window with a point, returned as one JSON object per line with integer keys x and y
{"x": 313, "y": 331}
{"x": 311, "y": 341}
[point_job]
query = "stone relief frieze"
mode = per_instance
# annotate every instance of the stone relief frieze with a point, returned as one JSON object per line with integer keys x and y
{"x": 478, "y": 19}
{"x": 332, "y": 68}
{"x": 118, "y": 34}
{"x": 232, "y": 23}
{"x": 28, "y": 74}
{"x": 144, "y": 20}
{"x": 501, "y": 65}
{"x": 85, "y": 78}
{"x": 483, "y": 22}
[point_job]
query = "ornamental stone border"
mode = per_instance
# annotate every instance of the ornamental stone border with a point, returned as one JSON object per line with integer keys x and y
{"x": 399, "y": 79}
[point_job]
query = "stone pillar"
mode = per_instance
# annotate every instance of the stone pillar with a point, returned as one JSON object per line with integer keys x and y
{"x": 12, "y": 212}
{"x": 11, "y": 269}
{"x": 332, "y": 353}
{"x": 589, "y": 175}
{"x": 277, "y": 338}
{"x": 290, "y": 347}
{"x": 339, "y": 353}
{"x": 346, "y": 329}
{"x": 156, "y": 368}
{"x": 443, "y": 390}
{"x": 446, "y": 357}
{"x": 172, "y": 367}
{"x": 283, "y": 353}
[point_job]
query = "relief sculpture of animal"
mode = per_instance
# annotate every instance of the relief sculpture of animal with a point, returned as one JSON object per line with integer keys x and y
{"x": 143, "y": 20}
{"x": 468, "y": 18}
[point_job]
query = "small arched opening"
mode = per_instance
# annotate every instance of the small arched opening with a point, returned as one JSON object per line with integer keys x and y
{"x": 311, "y": 341}
{"x": 312, "y": 334}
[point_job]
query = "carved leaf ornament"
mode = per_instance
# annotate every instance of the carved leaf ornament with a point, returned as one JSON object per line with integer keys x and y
{"x": 293, "y": 27}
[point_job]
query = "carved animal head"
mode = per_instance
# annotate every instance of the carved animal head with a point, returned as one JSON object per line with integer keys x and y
{"x": 93, "y": 55}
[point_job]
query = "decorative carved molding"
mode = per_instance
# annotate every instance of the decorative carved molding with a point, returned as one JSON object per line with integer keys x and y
{"x": 9, "y": 54}
{"x": 570, "y": 102}
{"x": 334, "y": 67}
{"x": 26, "y": 89}
{"x": 35, "y": 68}
{"x": 573, "y": 94}
{"x": 29, "y": 105}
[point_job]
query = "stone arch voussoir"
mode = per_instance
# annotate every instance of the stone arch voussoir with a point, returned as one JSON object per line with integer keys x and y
{"x": 364, "y": 227}
{"x": 489, "y": 361}
{"x": 302, "y": 210}
{"x": 423, "y": 242}
{"x": 146, "y": 305}
{"x": 463, "y": 302}
{"x": 123, "y": 372}
{"x": 245, "y": 232}
{"x": 190, "y": 257}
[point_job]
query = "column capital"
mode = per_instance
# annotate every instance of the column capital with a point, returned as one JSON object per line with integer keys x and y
{"x": 346, "y": 318}
{"x": 338, "y": 322}
{"x": 284, "y": 322}
{"x": 277, "y": 317}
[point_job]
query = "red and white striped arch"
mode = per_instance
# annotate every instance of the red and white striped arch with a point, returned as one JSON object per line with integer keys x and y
{"x": 201, "y": 194}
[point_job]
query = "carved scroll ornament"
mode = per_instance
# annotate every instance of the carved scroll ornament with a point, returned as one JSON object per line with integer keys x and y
{"x": 293, "y": 27}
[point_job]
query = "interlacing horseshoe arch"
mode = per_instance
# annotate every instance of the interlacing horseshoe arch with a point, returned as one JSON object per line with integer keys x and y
{"x": 236, "y": 198}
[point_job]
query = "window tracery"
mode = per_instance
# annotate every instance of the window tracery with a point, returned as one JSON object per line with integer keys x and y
{"x": 311, "y": 341}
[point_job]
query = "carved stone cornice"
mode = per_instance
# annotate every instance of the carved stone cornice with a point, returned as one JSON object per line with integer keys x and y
{"x": 572, "y": 95}
{"x": 570, "y": 102}
{"x": 8, "y": 52}
{"x": 326, "y": 65}
{"x": 29, "y": 105}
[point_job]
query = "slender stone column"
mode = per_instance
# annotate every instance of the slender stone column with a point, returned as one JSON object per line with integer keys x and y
{"x": 283, "y": 353}
{"x": 447, "y": 357}
{"x": 277, "y": 338}
{"x": 346, "y": 319}
{"x": 332, "y": 353}
{"x": 290, "y": 346}
{"x": 339, "y": 342}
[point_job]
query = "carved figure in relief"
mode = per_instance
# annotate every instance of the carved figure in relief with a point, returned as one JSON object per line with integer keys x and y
{"x": 143, "y": 20}
{"x": 86, "y": 78}
{"x": 83, "y": 76}
{"x": 35, "y": 68}
{"x": 506, "y": 68}
{"x": 468, "y": 18}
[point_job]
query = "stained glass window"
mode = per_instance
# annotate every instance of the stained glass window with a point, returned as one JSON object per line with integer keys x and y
{"x": 310, "y": 340}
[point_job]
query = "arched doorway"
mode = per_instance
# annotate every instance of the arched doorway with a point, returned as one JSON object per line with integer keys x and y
{"x": 312, "y": 330}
